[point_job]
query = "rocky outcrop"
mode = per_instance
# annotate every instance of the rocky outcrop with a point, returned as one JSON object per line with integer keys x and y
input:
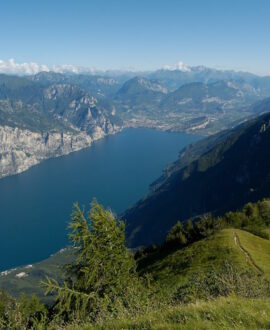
{"x": 39, "y": 122}
{"x": 22, "y": 148}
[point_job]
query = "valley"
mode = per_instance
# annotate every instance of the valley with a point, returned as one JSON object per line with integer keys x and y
{"x": 42, "y": 197}
{"x": 205, "y": 105}
{"x": 135, "y": 165}
{"x": 71, "y": 111}
{"x": 51, "y": 114}
{"x": 192, "y": 237}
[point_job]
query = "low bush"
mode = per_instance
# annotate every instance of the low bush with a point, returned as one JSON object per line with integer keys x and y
{"x": 224, "y": 282}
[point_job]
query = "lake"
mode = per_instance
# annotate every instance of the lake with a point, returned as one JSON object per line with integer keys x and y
{"x": 117, "y": 170}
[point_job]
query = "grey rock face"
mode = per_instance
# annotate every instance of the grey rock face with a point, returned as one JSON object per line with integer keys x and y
{"x": 70, "y": 103}
{"x": 22, "y": 148}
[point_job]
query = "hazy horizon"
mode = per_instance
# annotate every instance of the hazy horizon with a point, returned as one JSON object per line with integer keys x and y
{"x": 30, "y": 68}
{"x": 136, "y": 35}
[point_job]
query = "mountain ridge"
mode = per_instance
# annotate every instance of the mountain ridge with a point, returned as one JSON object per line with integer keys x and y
{"x": 238, "y": 159}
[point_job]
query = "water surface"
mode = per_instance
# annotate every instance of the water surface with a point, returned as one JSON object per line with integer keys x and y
{"x": 117, "y": 170}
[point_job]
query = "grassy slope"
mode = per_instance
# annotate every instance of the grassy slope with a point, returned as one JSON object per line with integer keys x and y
{"x": 223, "y": 313}
{"x": 179, "y": 266}
{"x": 258, "y": 248}
{"x": 170, "y": 270}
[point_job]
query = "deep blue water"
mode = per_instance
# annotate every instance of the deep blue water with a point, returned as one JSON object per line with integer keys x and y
{"x": 36, "y": 205}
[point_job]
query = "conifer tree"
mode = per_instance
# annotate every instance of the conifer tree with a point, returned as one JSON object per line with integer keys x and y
{"x": 102, "y": 280}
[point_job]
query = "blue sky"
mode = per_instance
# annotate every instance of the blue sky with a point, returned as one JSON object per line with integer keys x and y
{"x": 141, "y": 34}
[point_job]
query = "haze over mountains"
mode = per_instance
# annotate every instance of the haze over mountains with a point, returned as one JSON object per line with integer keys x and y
{"x": 51, "y": 113}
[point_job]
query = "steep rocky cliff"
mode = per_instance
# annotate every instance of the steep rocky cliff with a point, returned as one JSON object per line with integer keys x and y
{"x": 38, "y": 122}
{"x": 21, "y": 149}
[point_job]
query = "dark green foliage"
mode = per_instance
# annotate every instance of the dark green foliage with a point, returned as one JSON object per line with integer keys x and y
{"x": 205, "y": 227}
{"x": 102, "y": 282}
{"x": 181, "y": 235}
{"x": 257, "y": 231}
{"x": 189, "y": 228}
{"x": 264, "y": 211}
{"x": 253, "y": 218}
{"x": 177, "y": 235}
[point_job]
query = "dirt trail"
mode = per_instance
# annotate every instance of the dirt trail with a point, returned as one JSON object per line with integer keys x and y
{"x": 249, "y": 259}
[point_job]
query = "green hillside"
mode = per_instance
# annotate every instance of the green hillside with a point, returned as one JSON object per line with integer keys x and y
{"x": 223, "y": 313}
{"x": 210, "y": 273}
{"x": 169, "y": 269}
{"x": 245, "y": 251}
{"x": 258, "y": 249}
{"x": 177, "y": 267}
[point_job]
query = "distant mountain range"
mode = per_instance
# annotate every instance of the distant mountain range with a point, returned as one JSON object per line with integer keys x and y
{"x": 219, "y": 95}
{"x": 220, "y": 173}
{"x": 197, "y": 106}
{"x": 98, "y": 86}
{"x": 180, "y": 98}
{"x": 175, "y": 77}
{"x": 139, "y": 92}
{"x": 68, "y": 111}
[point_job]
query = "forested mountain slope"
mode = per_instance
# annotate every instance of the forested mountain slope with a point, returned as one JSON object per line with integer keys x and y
{"x": 234, "y": 170}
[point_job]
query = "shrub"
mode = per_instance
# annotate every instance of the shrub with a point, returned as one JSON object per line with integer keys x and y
{"x": 224, "y": 282}
{"x": 23, "y": 313}
{"x": 257, "y": 231}
{"x": 176, "y": 236}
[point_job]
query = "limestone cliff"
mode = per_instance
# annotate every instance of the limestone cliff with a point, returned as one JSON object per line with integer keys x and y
{"x": 22, "y": 148}
{"x": 39, "y": 122}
